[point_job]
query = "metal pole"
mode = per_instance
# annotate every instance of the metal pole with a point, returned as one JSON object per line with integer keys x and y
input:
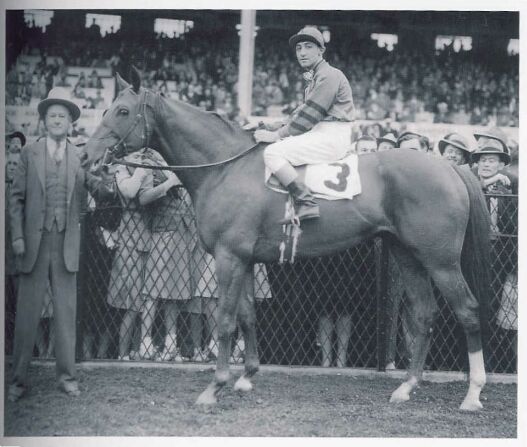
{"x": 245, "y": 66}
{"x": 382, "y": 299}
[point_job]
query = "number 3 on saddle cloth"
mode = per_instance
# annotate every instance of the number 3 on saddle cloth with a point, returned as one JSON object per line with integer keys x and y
{"x": 328, "y": 181}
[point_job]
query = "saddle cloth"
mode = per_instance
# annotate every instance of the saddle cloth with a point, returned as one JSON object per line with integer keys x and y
{"x": 330, "y": 181}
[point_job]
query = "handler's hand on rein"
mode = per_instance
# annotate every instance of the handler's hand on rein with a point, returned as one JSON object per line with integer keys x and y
{"x": 266, "y": 136}
{"x": 172, "y": 179}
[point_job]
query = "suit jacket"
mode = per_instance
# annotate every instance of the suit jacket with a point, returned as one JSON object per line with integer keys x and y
{"x": 27, "y": 206}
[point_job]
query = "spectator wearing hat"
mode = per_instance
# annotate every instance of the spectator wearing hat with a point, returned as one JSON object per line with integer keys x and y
{"x": 318, "y": 131}
{"x": 16, "y": 141}
{"x": 366, "y": 144}
{"x": 413, "y": 140}
{"x": 491, "y": 156}
{"x": 45, "y": 206}
{"x": 454, "y": 148}
{"x": 386, "y": 142}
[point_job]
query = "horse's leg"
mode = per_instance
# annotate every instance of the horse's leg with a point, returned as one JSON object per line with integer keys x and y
{"x": 422, "y": 311}
{"x": 247, "y": 321}
{"x": 230, "y": 272}
{"x": 450, "y": 281}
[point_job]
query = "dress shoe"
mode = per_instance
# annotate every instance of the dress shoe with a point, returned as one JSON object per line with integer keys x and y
{"x": 70, "y": 387}
{"x": 15, "y": 392}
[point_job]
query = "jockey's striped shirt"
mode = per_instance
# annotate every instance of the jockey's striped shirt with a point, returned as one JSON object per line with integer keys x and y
{"x": 328, "y": 97}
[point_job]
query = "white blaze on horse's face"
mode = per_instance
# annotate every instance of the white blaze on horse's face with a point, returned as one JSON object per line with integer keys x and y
{"x": 118, "y": 122}
{"x": 308, "y": 54}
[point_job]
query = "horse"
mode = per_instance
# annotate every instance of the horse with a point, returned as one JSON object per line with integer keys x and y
{"x": 433, "y": 215}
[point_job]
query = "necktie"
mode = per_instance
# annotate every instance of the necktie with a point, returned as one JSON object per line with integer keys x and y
{"x": 57, "y": 153}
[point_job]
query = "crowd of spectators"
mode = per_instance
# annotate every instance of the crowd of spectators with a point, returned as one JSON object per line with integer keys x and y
{"x": 405, "y": 86}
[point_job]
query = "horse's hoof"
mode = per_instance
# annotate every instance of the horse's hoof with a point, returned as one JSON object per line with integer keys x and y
{"x": 206, "y": 399}
{"x": 399, "y": 396}
{"x": 472, "y": 405}
{"x": 243, "y": 384}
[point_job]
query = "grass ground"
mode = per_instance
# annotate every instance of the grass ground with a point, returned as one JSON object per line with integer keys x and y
{"x": 119, "y": 401}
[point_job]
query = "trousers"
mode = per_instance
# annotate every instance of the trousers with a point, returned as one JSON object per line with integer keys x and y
{"x": 326, "y": 142}
{"x": 49, "y": 266}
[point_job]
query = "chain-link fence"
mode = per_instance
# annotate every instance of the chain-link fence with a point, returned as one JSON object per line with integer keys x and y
{"x": 149, "y": 292}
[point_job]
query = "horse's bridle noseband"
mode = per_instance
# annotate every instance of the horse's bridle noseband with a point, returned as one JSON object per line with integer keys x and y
{"x": 120, "y": 149}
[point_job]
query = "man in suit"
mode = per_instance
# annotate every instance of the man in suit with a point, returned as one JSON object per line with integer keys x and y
{"x": 45, "y": 206}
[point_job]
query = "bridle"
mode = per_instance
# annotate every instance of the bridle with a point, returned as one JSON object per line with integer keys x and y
{"x": 115, "y": 154}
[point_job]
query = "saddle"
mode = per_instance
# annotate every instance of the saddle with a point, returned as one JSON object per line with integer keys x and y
{"x": 330, "y": 181}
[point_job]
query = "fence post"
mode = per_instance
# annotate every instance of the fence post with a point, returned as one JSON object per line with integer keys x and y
{"x": 382, "y": 254}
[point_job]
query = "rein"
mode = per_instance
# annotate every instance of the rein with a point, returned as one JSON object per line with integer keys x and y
{"x": 110, "y": 155}
{"x": 120, "y": 161}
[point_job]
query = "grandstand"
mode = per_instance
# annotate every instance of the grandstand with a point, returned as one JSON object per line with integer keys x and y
{"x": 463, "y": 69}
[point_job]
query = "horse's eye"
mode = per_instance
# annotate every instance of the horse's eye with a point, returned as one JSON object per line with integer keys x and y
{"x": 123, "y": 112}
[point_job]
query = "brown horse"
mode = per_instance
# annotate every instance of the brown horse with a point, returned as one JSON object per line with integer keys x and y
{"x": 434, "y": 216}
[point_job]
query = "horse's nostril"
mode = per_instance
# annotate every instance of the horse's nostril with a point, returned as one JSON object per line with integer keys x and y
{"x": 84, "y": 156}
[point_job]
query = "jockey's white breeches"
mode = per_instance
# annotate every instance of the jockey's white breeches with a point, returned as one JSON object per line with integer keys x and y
{"x": 326, "y": 142}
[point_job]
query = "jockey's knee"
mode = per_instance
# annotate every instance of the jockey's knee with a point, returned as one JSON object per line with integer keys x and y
{"x": 273, "y": 157}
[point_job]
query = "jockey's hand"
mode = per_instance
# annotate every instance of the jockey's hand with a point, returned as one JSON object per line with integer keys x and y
{"x": 266, "y": 136}
{"x": 251, "y": 126}
{"x": 274, "y": 126}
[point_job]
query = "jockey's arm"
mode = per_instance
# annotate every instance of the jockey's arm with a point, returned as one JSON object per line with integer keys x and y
{"x": 314, "y": 109}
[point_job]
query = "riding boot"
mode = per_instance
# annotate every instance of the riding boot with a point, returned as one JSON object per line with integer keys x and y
{"x": 305, "y": 205}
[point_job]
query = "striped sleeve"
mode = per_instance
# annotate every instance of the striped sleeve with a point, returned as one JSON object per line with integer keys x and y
{"x": 315, "y": 109}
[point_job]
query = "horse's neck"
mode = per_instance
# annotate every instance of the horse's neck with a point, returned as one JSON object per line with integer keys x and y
{"x": 189, "y": 136}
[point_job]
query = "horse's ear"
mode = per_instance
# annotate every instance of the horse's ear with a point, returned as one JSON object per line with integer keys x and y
{"x": 136, "y": 79}
{"x": 121, "y": 82}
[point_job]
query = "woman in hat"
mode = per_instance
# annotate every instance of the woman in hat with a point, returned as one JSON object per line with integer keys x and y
{"x": 318, "y": 131}
{"x": 454, "y": 148}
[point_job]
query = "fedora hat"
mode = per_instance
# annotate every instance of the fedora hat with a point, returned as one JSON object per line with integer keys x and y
{"x": 59, "y": 95}
{"x": 388, "y": 138}
{"x": 18, "y": 135}
{"x": 490, "y": 144}
{"x": 453, "y": 139}
{"x": 309, "y": 34}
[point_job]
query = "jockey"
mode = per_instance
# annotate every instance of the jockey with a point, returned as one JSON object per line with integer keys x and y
{"x": 318, "y": 131}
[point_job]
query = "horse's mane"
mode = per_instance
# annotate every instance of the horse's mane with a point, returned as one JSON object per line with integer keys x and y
{"x": 234, "y": 129}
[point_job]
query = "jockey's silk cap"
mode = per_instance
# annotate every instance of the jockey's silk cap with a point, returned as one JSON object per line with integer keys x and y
{"x": 309, "y": 34}
{"x": 453, "y": 139}
{"x": 18, "y": 135}
{"x": 59, "y": 95}
{"x": 388, "y": 138}
{"x": 491, "y": 144}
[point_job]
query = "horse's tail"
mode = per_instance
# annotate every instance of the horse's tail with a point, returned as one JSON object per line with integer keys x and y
{"x": 475, "y": 255}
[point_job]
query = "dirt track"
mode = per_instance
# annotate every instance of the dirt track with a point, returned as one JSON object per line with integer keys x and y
{"x": 159, "y": 402}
